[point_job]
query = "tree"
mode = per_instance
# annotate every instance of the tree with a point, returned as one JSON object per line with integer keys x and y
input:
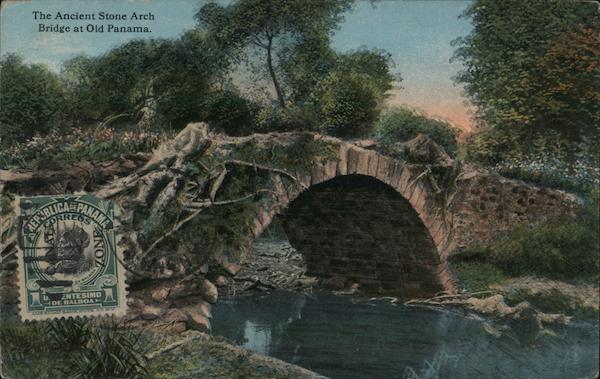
{"x": 506, "y": 62}
{"x": 348, "y": 104}
{"x": 566, "y": 83}
{"x": 305, "y": 64}
{"x": 271, "y": 25}
{"x": 114, "y": 85}
{"x": 377, "y": 64}
{"x": 30, "y": 101}
{"x": 147, "y": 80}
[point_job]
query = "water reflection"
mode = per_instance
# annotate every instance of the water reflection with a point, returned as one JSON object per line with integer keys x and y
{"x": 349, "y": 338}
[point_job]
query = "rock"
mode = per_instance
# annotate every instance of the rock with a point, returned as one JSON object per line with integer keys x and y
{"x": 209, "y": 292}
{"x": 522, "y": 313}
{"x": 232, "y": 268}
{"x": 366, "y": 143}
{"x": 134, "y": 302}
{"x": 150, "y": 312}
{"x": 493, "y": 305}
{"x": 160, "y": 294}
{"x": 423, "y": 149}
{"x": 221, "y": 281}
{"x": 527, "y": 316}
{"x": 196, "y": 320}
{"x": 204, "y": 308}
{"x": 174, "y": 315}
{"x": 184, "y": 288}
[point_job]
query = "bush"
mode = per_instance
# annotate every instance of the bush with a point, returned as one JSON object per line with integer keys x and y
{"x": 293, "y": 118}
{"x": 81, "y": 144}
{"x": 478, "y": 276}
{"x": 348, "y": 104}
{"x": 32, "y": 97}
{"x": 109, "y": 353}
{"x": 86, "y": 350}
{"x": 548, "y": 159}
{"x": 229, "y": 112}
{"x": 561, "y": 249}
{"x": 401, "y": 124}
{"x": 558, "y": 250}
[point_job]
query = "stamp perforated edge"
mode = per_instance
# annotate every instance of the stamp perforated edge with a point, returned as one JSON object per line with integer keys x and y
{"x": 122, "y": 288}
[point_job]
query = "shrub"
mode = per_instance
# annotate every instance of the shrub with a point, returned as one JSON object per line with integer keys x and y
{"x": 110, "y": 353}
{"x": 86, "y": 350}
{"x": 401, "y": 124}
{"x": 560, "y": 249}
{"x": 478, "y": 276}
{"x": 348, "y": 104}
{"x": 580, "y": 175}
{"x": 32, "y": 97}
{"x": 81, "y": 144}
{"x": 229, "y": 112}
{"x": 548, "y": 159}
{"x": 293, "y": 118}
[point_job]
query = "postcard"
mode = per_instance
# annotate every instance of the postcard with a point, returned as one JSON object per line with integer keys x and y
{"x": 299, "y": 189}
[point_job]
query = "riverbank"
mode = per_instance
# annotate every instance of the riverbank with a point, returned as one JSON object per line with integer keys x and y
{"x": 276, "y": 266}
{"x": 29, "y": 351}
{"x": 193, "y": 354}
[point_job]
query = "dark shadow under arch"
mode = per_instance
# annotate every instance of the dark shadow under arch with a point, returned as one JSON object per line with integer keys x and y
{"x": 357, "y": 229}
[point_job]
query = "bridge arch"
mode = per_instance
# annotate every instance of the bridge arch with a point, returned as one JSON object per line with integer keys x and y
{"x": 402, "y": 189}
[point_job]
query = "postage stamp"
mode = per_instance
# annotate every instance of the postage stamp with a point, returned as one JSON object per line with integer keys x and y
{"x": 68, "y": 258}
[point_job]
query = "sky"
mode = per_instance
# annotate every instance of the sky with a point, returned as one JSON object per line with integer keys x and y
{"x": 416, "y": 32}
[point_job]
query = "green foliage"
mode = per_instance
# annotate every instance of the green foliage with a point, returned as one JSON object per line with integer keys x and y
{"x": 229, "y": 112}
{"x": 533, "y": 64}
{"x": 67, "y": 334}
{"x": 555, "y": 250}
{"x": 305, "y": 64}
{"x": 169, "y": 77}
{"x": 376, "y": 64}
{"x": 400, "y": 124}
{"x": 348, "y": 104}
{"x": 60, "y": 149}
{"x": 32, "y": 97}
{"x": 546, "y": 159}
{"x": 292, "y": 118}
{"x": 478, "y": 276}
{"x": 109, "y": 353}
{"x": 271, "y": 26}
{"x": 300, "y": 155}
{"x": 560, "y": 249}
{"x": 86, "y": 351}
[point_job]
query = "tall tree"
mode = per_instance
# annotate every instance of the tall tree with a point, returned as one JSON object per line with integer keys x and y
{"x": 270, "y": 25}
{"x": 509, "y": 50}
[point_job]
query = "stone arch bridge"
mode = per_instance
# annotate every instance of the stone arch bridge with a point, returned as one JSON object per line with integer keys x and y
{"x": 191, "y": 210}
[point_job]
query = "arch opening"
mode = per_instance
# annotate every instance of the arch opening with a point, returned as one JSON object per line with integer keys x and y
{"x": 356, "y": 231}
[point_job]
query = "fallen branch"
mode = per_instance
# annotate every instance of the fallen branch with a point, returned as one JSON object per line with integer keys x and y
{"x": 199, "y": 206}
{"x": 267, "y": 168}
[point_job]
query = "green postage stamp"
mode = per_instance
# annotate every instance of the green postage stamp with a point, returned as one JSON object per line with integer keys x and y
{"x": 69, "y": 263}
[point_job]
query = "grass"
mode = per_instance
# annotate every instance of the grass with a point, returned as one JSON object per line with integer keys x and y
{"x": 565, "y": 250}
{"x": 29, "y": 350}
{"x": 553, "y": 301}
{"x": 478, "y": 276}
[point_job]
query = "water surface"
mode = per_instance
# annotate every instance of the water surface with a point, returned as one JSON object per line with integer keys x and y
{"x": 343, "y": 337}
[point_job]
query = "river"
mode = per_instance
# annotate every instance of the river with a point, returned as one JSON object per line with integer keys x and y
{"x": 344, "y": 337}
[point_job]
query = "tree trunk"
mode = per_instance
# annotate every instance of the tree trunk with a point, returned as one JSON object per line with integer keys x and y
{"x": 278, "y": 90}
